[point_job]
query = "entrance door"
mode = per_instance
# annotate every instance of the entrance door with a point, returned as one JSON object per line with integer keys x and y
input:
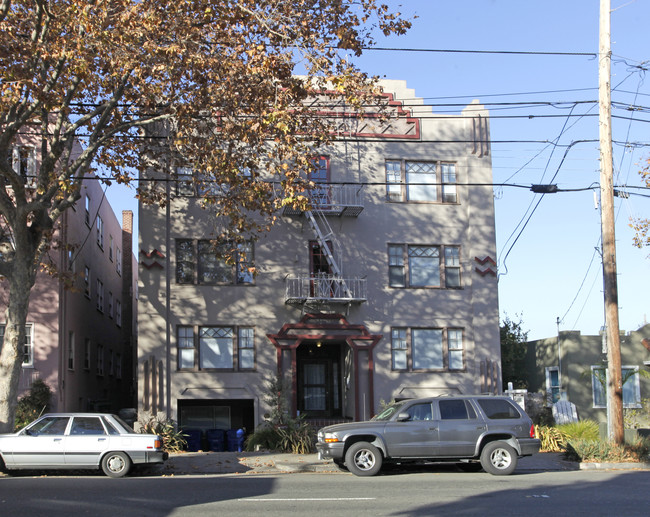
{"x": 318, "y": 380}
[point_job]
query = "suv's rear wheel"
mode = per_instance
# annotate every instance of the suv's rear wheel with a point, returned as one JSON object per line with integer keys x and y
{"x": 363, "y": 459}
{"x": 499, "y": 458}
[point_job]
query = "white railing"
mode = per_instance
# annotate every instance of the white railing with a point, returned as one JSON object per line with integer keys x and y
{"x": 325, "y": 288}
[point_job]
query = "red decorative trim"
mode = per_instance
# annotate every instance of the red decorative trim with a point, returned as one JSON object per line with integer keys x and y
{"x": 152, "y": 265}
{"x": 155, "y": 252}
{"x": 484, "y": 260}
{"x": 486, "y": 271}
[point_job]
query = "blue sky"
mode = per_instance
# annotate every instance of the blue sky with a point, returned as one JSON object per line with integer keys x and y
{"x": 548, "y": 266}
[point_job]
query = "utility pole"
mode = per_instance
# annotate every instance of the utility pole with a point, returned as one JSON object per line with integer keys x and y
{"x": 614, "y": 382}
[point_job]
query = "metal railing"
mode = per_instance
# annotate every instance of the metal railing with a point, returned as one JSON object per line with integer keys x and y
{"x": 325, "y": 288}
{"x": 334, "y": 200}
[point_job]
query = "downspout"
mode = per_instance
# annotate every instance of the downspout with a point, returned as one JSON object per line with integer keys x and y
{"x": 168, "y": 376}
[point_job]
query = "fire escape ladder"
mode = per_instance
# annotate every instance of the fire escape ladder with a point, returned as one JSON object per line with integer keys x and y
{"x": 324, "y": 235}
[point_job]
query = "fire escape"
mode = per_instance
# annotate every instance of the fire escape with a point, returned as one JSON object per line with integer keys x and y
{"x": 318, "y": 291}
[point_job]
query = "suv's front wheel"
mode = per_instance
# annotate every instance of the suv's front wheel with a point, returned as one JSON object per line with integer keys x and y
{"x": 363, "y": 459}
{"x": 499, "y": 458}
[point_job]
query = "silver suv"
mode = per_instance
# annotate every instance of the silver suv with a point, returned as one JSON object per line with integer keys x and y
{"x": 474, "y": 431}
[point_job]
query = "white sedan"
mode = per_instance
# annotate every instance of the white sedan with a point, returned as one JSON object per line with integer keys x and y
{"x": 79, "y": 441}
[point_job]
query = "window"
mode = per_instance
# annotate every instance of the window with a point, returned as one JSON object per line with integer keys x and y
{"x": 86, "y": 425}
{"x": 100, "y": 295}
{"x": 399, "y": 349}
{"x": 420, "y": 412}
{"x": 185, "y": 260}
{"x": 422, "y": 266}
{"x": 110, "y": 304}
{"x": 87, "y": 354}
{"x": 216, "y": 346}
{"x": 87, "y": 281}
{"x": 23, "y": 160}
{"x": 552, "y": 385}
{"x": 111, "y": 362}
{"x": 420, "y": 181}
{"x": 110, "y": 248}
{"x": 455, "y": 342}
{"x": 87, "y": 210}
{"x": 452, "y": 266}
{"x": 70, "y": 350}
{"x": 118, "y": 261}
{"x": 184, "y": 184}
{"x": 28, "y": 347}
{"x": 186, "y": 355}
{"x": 499, "y": 409}
{"x": 211, "y": 263}
{"x": 416, "y": 349}
{"x": 228, "y": 348}
{"x": 394, "y": 180}
{"x": 631, "y": 387}
{"x": 212, "y": 266}
{"x": 100, "y": 360}
{"x": 448, "y": 183}
{"x": 455, "y": 409}
{"x": 320, "y": 175}
{"x": 396, "y": 269}
{"x": 246, "y": 348}
{"x": 118, "y": 313}
{"x": 100, "y": 232}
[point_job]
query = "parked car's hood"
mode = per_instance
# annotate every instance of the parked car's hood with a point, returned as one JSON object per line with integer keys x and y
{"x": 355, "y": 426}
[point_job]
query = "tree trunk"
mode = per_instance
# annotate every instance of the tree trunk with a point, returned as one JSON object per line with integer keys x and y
{"x": 12, "y": 352}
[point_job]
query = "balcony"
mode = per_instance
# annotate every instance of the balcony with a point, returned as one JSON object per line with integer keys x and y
{"x": 325, "y": 289}
{"x": 335, "y": 200}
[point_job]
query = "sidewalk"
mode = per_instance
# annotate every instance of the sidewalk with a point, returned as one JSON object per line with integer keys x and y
{"x": 201, "y": 463}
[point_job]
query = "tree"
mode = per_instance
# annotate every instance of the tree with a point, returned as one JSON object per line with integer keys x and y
{"x": 82, "y": 81}
{"x": 513, "y": 353}
{"x": 642, "y": 225}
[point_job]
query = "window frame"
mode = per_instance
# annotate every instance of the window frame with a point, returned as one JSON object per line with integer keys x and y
{"x": 100, "y": 231}
{"x": 100, "y": 360}
{"x": 404, "y": 338}
{"x": 403, "y": 268}
{"x": 401, "y": 186}
{"x": 634, "y": 404}
{"x": 190, "y": 338}
{"x": 196, "y": 262}
{"x": 553, "y": 389}
{"x": 28, "y": 346}
{"x": 100, "y": 295}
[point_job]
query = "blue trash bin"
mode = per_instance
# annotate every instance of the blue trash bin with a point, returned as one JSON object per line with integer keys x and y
{"x": 193, "y": 438}
{"x": 216, "y": 439}
{"x": 235, "y": 439}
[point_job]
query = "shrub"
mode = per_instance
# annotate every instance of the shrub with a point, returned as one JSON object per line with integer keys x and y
{"x": 173, "y": 439}
{"x": 33, "y": 404}
{"x": 582, "y": 430}
{"x": 595, "y": 450}
{"x": 551, "y": 437}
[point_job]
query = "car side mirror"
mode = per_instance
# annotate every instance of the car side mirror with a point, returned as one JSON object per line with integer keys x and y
{"x": 403, "y": 417}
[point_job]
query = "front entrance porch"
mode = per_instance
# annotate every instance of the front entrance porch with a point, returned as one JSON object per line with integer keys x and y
{"x": 329, "y": 364}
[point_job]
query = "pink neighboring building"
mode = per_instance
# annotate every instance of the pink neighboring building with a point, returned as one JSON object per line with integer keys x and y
{"x": 81, "y": 340}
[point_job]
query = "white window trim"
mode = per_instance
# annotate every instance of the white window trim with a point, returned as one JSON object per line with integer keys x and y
{"x": 637, "y": 386}
{"x": 549, "y": 387}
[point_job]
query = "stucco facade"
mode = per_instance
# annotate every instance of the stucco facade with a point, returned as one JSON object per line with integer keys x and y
{"x": 562, "y": 367}
{"x": 80, "y": 341}
{"x": 410, "y": 308}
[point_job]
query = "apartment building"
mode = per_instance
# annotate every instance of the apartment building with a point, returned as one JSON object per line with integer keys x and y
{"x": 385, "y": 289}
{"x": 80, "y": 334}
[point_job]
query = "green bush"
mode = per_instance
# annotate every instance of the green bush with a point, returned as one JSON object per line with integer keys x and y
{"x": 33, "y": 404}
{"x": 173, "y": 439}
{"x": 555, "y": 438}
{"x": 582, "y": 430}
{"x": 609, "y": 452}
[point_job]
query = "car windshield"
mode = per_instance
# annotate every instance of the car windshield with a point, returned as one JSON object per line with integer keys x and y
{"x": 388, "y": 411}
{"x": 126, "y": 426}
